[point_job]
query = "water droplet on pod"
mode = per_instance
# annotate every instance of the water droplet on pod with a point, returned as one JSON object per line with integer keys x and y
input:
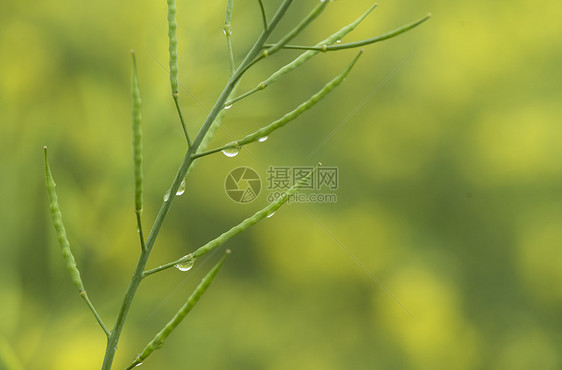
{"x": 228, "y": 106}
{"x": 167, "y": 196}
{"x": 233, "y": 151}
{"x": 262, "y": 139}
{"x": 270, "y": 214}
{"x": 187, "y": 264}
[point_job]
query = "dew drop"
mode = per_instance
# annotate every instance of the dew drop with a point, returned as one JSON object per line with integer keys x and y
{"x": 228, "y": 106}
{"x": 270, "y": 214}
{"x": 186, "y": 265}
{"x": 139, "y": 364}
{"x": 232, "y": 151}
{"x": 167, "y": 196}
{"x": 181, "y": 189}
{"x": 338, "y": 41}
{"x": 262, "y": 139}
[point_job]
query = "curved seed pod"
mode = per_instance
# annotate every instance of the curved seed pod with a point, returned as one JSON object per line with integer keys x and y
{"x": 258, "y": 216}
{"x": 350, "y": 45}
{"x": 56, "y": 216}
{"x": 173, "y": 46}
{"x": 159, "y": 338}
{"x": 137, "y": 137}
{"x": 304, "y": 57}
{"x": 265, "y": 131}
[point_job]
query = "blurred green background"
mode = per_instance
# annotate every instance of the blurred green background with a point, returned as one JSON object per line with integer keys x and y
{"x": 450, "y": 189}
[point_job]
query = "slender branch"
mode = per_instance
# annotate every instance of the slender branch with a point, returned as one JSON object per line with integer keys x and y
{"x": 263, "y": 15}
{"x": 187, "y": 258}
{"x": 245, "y": 95}
{"x": 265, "y": 131}
{"x": 304, "y": 57}
{"x": 183, "y": 125}
{"x": 159, "y": 338}
{"x": 86, "y": 299}
{"x": 315, "y": 13}
{"x": 230, "y": 145}
{"x": 186, "y": 163}
{"x": 141, "y": 233}
{"x": 356, "y": 44}
{"x": 67, "y": 255}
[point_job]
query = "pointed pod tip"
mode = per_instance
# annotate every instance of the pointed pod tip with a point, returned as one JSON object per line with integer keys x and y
{"x": 45, "y": 147}
{"x": 429, "y": 15}
{"x": 319, "y": 164}
{"x": 132, "y": 51}
{"x": 228, "y": 251}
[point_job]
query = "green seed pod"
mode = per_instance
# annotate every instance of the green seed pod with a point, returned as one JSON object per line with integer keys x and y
{"x": 265, "y": 131}
{"x": 304, "y": 57}
{"x": 258, "y": 216}
{"x": 173, "y": 46}
{"x": 159, "y": 339}
{"x": 59, "y": 227}
{"x": 137, "y": 137}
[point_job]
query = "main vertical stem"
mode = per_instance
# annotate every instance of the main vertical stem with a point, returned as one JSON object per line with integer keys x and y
{"x": 164, "y": 209}
{"x": 186, "y": 163}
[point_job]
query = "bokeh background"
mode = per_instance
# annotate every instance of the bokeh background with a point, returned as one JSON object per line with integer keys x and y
{"x": 450, "y": 189}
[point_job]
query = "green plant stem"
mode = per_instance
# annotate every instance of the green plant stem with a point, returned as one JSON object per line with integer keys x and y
{"x": 159, "y": 338}
{"x": 304, "y": 57}
{"x": 356, "y": 44}
{"x": 67, "y": 255}
{"x": 90, "y": 305}
{"x": 263, "y": 15}
{"x": 183, "y": 125}
{"x": 140, "y": 231}
{"x": 186, "y": 163}
{"x": 265, "y": 131}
